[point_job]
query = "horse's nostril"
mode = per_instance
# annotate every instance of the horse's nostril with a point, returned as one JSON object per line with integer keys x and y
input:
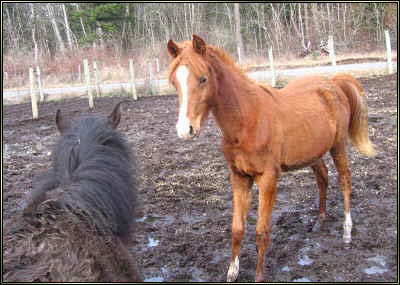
{"x": 191, "y": 131}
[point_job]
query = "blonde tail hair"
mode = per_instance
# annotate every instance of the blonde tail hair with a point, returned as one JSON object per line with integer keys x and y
{"x": 359, "y": 113}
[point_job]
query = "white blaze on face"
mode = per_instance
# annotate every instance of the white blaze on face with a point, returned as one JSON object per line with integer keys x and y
{"x": 183, "y": 125}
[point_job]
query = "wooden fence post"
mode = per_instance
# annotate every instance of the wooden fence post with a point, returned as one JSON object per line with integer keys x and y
{"x": 151, "y": 78}
{"x": 157, "y": 65}
{"x": 331, "y": 48}
{"x": 271, "y": 66}
{"x": 96, "y": 79}
{"x": 35, "y": 111}
{"x": 39, "y": 81}
{"x": 88, "y": 83}
{"x": 79, "y": 73}
{"x": 132, "y": 79}
{"x": 388, "y": 52}
{"x": 157, "y": 74}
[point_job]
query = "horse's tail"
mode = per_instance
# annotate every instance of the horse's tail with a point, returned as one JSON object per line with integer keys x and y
{"x": 358, "y": 130}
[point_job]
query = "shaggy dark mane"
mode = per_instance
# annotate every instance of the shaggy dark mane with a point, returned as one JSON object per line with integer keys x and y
{"x": 96, "y": 160}
{"x": 80, "y": 213}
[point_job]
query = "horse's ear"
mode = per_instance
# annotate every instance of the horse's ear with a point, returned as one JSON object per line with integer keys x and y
{"x": 115, "y": 117}
{"x": 173, "y": 48}
{"x": 199, "y": 45}
{"x": 62, "y": 124}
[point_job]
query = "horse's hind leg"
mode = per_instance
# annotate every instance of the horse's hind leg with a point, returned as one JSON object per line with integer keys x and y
{"x": 339, "y": 155}
{"x": 241, "y": 187}
{"x": 321, "y": 174}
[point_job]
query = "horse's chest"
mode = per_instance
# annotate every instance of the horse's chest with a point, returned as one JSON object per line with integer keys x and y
{"x": 244, "y": 162}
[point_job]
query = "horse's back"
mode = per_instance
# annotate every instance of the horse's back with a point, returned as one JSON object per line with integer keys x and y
{"x": 305, "y": 83}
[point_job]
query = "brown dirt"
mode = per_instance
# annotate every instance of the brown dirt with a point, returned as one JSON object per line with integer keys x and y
{"x": 186, "y": 203}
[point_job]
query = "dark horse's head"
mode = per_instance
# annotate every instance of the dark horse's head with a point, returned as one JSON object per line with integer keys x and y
{"x": 92, "y": 174}
{"x": 78, "y": 217}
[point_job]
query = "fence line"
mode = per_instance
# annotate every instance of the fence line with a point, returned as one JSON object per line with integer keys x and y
{"x": 331, "y": 48}
{"x": 271, "y": 66}
{"x": 132, "y": 79}
{"x": 388, "y": 52}
{"x": 153, "y": 73}
{"x": 39, "y": 81}
{"x": 35, "y": 110}
{"x": 96, "y": 79}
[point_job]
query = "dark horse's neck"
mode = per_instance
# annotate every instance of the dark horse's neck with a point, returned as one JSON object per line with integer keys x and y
{"x": 236, "y": 103}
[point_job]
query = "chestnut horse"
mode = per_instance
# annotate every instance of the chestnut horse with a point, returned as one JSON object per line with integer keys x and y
{"x": 267, "y": 131}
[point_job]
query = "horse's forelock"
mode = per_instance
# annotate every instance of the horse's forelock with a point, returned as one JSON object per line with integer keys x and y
{"x": 197, "y": 64}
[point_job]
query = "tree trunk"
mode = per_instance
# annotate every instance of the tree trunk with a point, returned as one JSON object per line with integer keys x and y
{"x": 67, "y": 28}
{"x": 12, "y": 33}
{"x": 302, "y": 28}
{"x": 306, "y": 22}
{"x": 80, "y": 20}
{"x": 378, "y": 28}
{"x": 299, "y": 32}
{"x": 344, "y": 22}
{"x": 316, "y": 28}
{"x": 55, "y": 27}
{"x": 228, "y": 13}
{"x": 33, "y": 29}
{"x": 124, "y": 38}
{"x": 238, "y": 34}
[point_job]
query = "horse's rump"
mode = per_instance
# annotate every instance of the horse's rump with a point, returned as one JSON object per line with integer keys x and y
{"x": 358, "y": 128}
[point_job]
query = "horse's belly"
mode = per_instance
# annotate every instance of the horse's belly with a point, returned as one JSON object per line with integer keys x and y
{"x": 306, "y": 145}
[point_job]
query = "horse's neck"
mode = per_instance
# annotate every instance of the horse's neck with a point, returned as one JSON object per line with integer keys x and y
{"x": 237, "y": 104}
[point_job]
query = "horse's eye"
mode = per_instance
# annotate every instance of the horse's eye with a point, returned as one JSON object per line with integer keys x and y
{"x": 202, "y": 80}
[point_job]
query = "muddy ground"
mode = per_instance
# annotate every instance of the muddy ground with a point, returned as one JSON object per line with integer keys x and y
{"x": 184, "y": 231}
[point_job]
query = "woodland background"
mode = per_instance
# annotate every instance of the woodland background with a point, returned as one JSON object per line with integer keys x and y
{"x": 57, "y": 36}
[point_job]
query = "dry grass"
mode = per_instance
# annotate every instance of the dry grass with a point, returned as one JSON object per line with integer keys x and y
{"x": 291, "y": 60}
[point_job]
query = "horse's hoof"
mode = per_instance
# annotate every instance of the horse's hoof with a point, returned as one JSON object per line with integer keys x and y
{"x": 347, "y": 239}
{"x": 233, "y": 270}
{"x": 259, "y": 278}
{"x": 319, "y": 225}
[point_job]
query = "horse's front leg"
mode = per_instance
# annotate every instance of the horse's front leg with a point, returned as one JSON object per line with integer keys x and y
{"x": 266, "y": 199}
{"x": 241, "y": 187}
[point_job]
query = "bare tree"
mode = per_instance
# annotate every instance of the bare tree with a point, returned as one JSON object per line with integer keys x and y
{"x": 55, "y": 27}
{"x": 67, "y": 28}
{"x": 238, "y": 34}
{"x": 33, "y": 30}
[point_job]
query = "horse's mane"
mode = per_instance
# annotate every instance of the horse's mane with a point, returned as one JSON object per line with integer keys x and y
{"x": 92, "y": 177}
{"x": 224, "y": 56}
{"x": 227, "y": 59}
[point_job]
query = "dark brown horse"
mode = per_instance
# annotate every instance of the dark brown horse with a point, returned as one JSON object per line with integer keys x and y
{"x": 77, "y": 220}
{"x": 267, "y": 131}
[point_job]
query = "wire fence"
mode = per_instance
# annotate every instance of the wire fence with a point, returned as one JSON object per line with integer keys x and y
{"x": 71, "y": 72}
